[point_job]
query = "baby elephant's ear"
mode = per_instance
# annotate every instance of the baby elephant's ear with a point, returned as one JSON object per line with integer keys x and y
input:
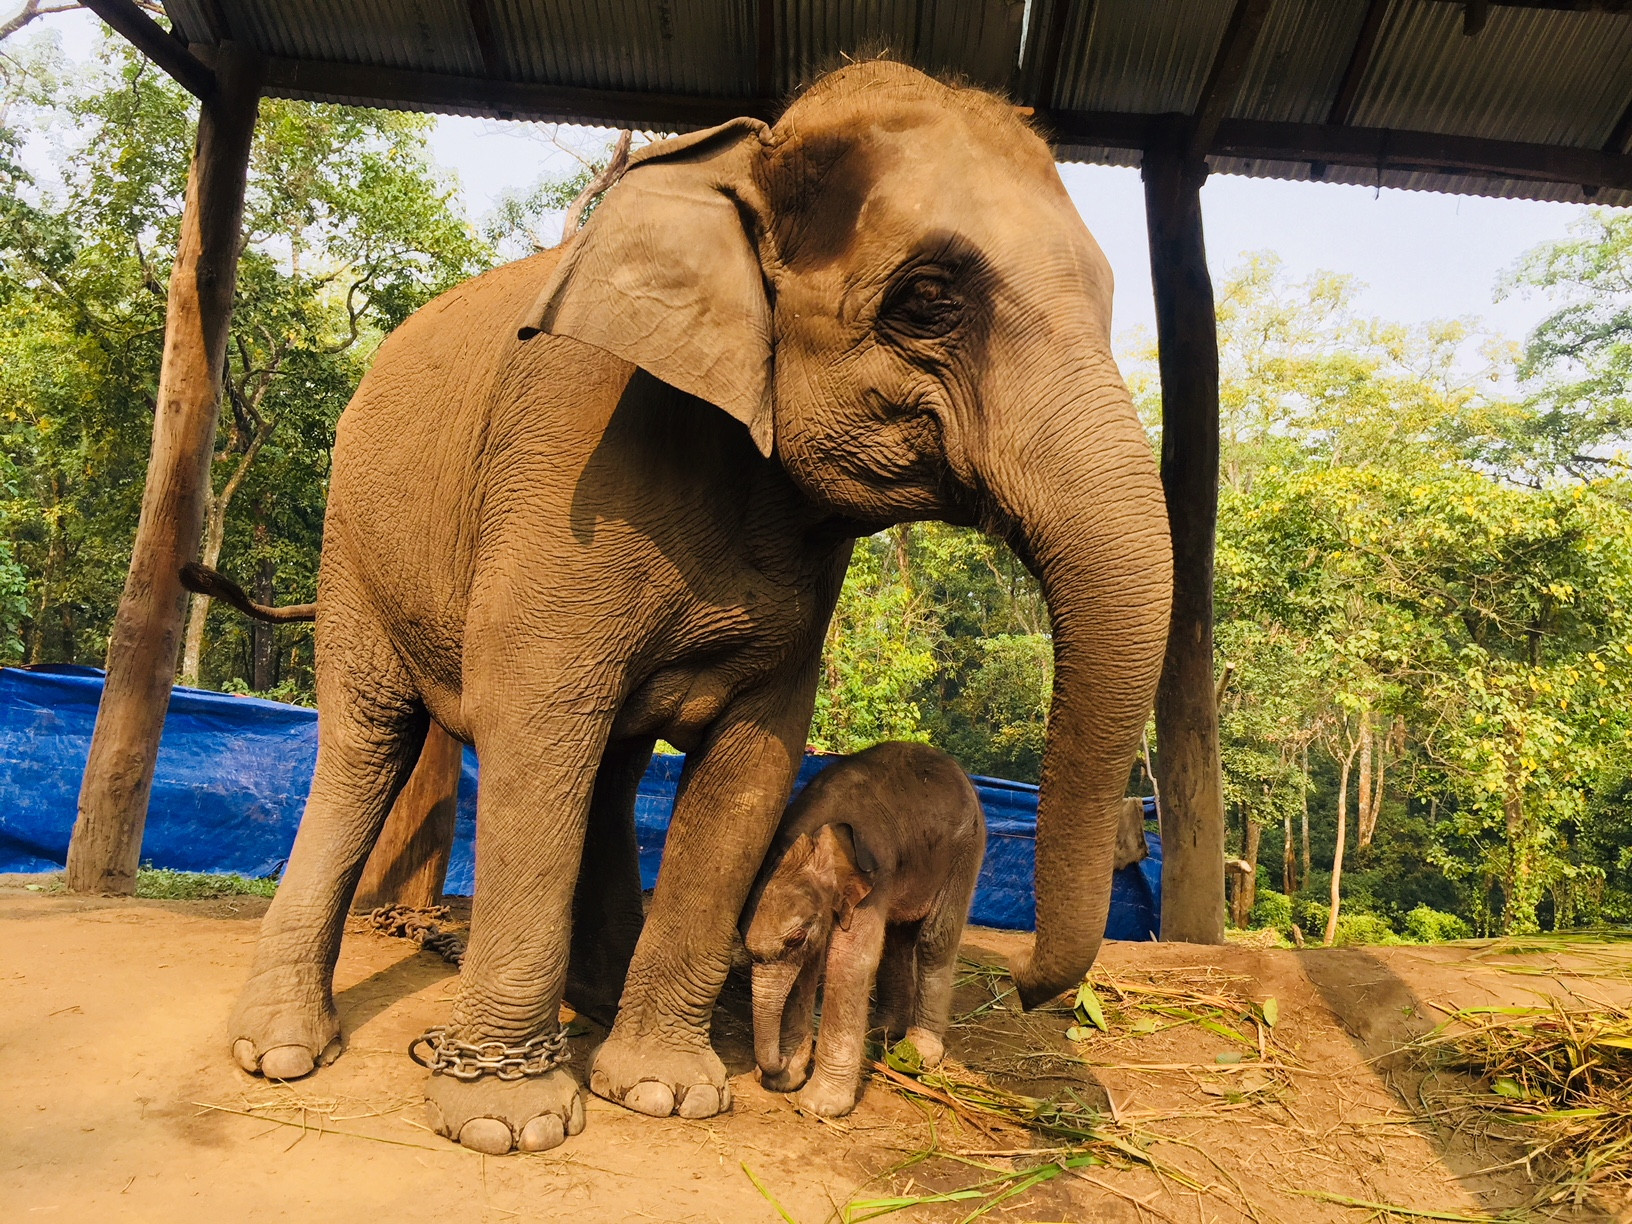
{"x": 852, "y": 879}
{"x": 666, "y": 274}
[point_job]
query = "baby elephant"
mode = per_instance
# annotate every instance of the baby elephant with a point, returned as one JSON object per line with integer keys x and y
{"x": 870, "y": 876}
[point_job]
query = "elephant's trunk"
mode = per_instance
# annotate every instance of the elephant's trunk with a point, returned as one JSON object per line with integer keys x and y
{"x": 773, "y": 983}
{"x": 1088, "y": 512}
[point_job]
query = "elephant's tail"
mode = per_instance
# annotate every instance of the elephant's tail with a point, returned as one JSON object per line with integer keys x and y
{"x": 202, "y": 580}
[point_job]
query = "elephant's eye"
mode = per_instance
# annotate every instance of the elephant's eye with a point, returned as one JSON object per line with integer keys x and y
{"x": 796, "y": 939}
{"x": 922, "y": 306}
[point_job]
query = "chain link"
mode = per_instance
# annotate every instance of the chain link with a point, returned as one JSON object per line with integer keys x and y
{"x": 422, "y": 926}
{"x": 467, "y": 1062}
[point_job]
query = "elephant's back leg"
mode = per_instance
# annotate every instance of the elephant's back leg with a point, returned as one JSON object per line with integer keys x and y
{"x": 606, "y": 908}
{"x": 941, "y": 933}
{"x": 370, "y": 727}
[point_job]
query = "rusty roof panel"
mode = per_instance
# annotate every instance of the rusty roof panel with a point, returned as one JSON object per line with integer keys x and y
{"x": 1296, "y": 68}
{"x": 978, "y": 39}
{"x": 1547, "y": 77}
{"x": 703, "y": 47}
{"x": 433, "y": 35}
{"x": 1138, "y": 56}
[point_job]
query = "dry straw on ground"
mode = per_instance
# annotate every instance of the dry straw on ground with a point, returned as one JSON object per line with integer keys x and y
{"x": 1556, "y": 1080}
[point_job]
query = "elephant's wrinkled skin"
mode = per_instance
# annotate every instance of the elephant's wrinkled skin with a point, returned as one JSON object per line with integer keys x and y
{"x": 560, "y": 547}
{"x": 870, "y": 876}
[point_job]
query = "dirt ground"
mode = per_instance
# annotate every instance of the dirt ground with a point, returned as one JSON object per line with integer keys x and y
{"x": 120, "y": 1102}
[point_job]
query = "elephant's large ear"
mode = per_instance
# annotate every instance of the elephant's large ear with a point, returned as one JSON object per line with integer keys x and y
{"x": 666, "y": 274}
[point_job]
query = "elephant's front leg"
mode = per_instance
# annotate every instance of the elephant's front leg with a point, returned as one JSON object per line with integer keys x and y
{"x": 658, "y": 1059}
{"x": 498, "y": 1081}
{"x": 852, "y": 962}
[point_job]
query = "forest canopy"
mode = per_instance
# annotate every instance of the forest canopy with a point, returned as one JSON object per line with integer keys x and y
{"x": 1424, "y": 575}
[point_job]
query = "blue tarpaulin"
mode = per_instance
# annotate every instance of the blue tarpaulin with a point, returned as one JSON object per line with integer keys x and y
{"x": 233, "y": 773}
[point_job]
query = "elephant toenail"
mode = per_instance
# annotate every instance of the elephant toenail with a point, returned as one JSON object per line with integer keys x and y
{"x": 243, "y": 1052}
{"x": 541, "y": 1134}
{"x": 490, "y": 1136}
{"x": 600, "y": 1085}
{"x": 435, "y": 1120}
{"x": 575, "y": 1119}
{"x": 700, "y": 1101}
{"x": 330, "y": 1052}
{"x": 286, "y": 1062}
{"x": 651, "y": 1098}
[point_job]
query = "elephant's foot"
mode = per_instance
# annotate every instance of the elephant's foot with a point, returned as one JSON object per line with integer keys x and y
{"x": 498, "y": 1116}
{"x": 826, "y": 1098}
{"x": 794, "y": 1071}
{"x": 659, "y": 1080}
{"x": 931, "y": 1049}
{"x": 285, "y": 1025}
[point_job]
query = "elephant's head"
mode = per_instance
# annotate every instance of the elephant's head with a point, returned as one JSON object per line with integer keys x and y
{"x": 807, "y": 890}
{"x": 893, "y": 292}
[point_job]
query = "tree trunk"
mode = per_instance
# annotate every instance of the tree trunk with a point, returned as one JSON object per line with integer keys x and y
{"x": 1367, "y": 818}
{"x": 142, "y": 648}
{"x": 1246, "y": 888}
{"x": 1305, "y": 830}
{"x": 409, "y": 864}
{"x": 263, "y": 638}
{"x": 1342, "y": 836}
{"x": 198, "y": 608}
{"x": 1192, "y": 809}
{"x": 53, "y": 554}
{"x": 1289, "y": 858}
{"x": 215, "y": 534}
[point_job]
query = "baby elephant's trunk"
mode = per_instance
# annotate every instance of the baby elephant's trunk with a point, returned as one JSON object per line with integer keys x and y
{"x": 773, "y": 983}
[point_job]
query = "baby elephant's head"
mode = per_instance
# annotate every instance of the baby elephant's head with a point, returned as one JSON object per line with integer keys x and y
{"x": 817, "y": 882}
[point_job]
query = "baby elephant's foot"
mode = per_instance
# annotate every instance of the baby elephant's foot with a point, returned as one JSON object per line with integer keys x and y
{"x": 285, "y": 1025}
{"x": 658, "y": 1080}
{"x": 793, "y": 1073}
{"x": 929, "y": 1045}
{"x": 826, "y": 1098}
{"x": 497, "y": 1116}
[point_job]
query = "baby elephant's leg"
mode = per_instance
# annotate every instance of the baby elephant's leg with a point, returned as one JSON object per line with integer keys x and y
{"x": 897, "y": 979}
{"x": 852, "y": 962}
{"x": 937, "y": 956}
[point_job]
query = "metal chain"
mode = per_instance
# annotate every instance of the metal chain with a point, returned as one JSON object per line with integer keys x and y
{"x": 421, "y": 926}
{"x": 467, "y": 1062}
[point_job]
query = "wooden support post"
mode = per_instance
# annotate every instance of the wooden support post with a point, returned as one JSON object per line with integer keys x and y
{"x": 1192, "y": 807}
{"x": 409, "y": 864}
{"x": 107, "y": 840}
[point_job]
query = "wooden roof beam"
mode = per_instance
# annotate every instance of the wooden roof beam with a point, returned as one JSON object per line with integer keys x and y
{"x": 1372, "y": 148}
{"x": 1620, "y": 136}
{"x": 1224, "y": 79}
{"x": 1050, "y": 49}
{"x": 1360, "y": 56}
{"x": 158, "y": 44}
{"x": 487, "y": 41}
{"x": 765, "y": 49}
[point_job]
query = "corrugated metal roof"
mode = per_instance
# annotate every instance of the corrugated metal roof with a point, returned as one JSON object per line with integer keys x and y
{"x": 1542, "y": 76}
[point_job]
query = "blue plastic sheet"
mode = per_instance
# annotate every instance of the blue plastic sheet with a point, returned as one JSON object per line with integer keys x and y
{"x": 233, "y": 773}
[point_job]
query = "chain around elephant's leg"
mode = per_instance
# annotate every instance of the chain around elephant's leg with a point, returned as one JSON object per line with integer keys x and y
{"x": 496, "y": 1082}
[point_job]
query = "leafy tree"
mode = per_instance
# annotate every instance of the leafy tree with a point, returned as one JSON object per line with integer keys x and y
{"x": 1578, "y": 363}
{"x": 348, "y": 228}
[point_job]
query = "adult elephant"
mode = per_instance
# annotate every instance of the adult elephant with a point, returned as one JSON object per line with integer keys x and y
{"x": 632, "y": 520}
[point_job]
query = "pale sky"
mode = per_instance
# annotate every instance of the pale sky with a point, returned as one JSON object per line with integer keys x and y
{"x": 1421, "y": 255}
